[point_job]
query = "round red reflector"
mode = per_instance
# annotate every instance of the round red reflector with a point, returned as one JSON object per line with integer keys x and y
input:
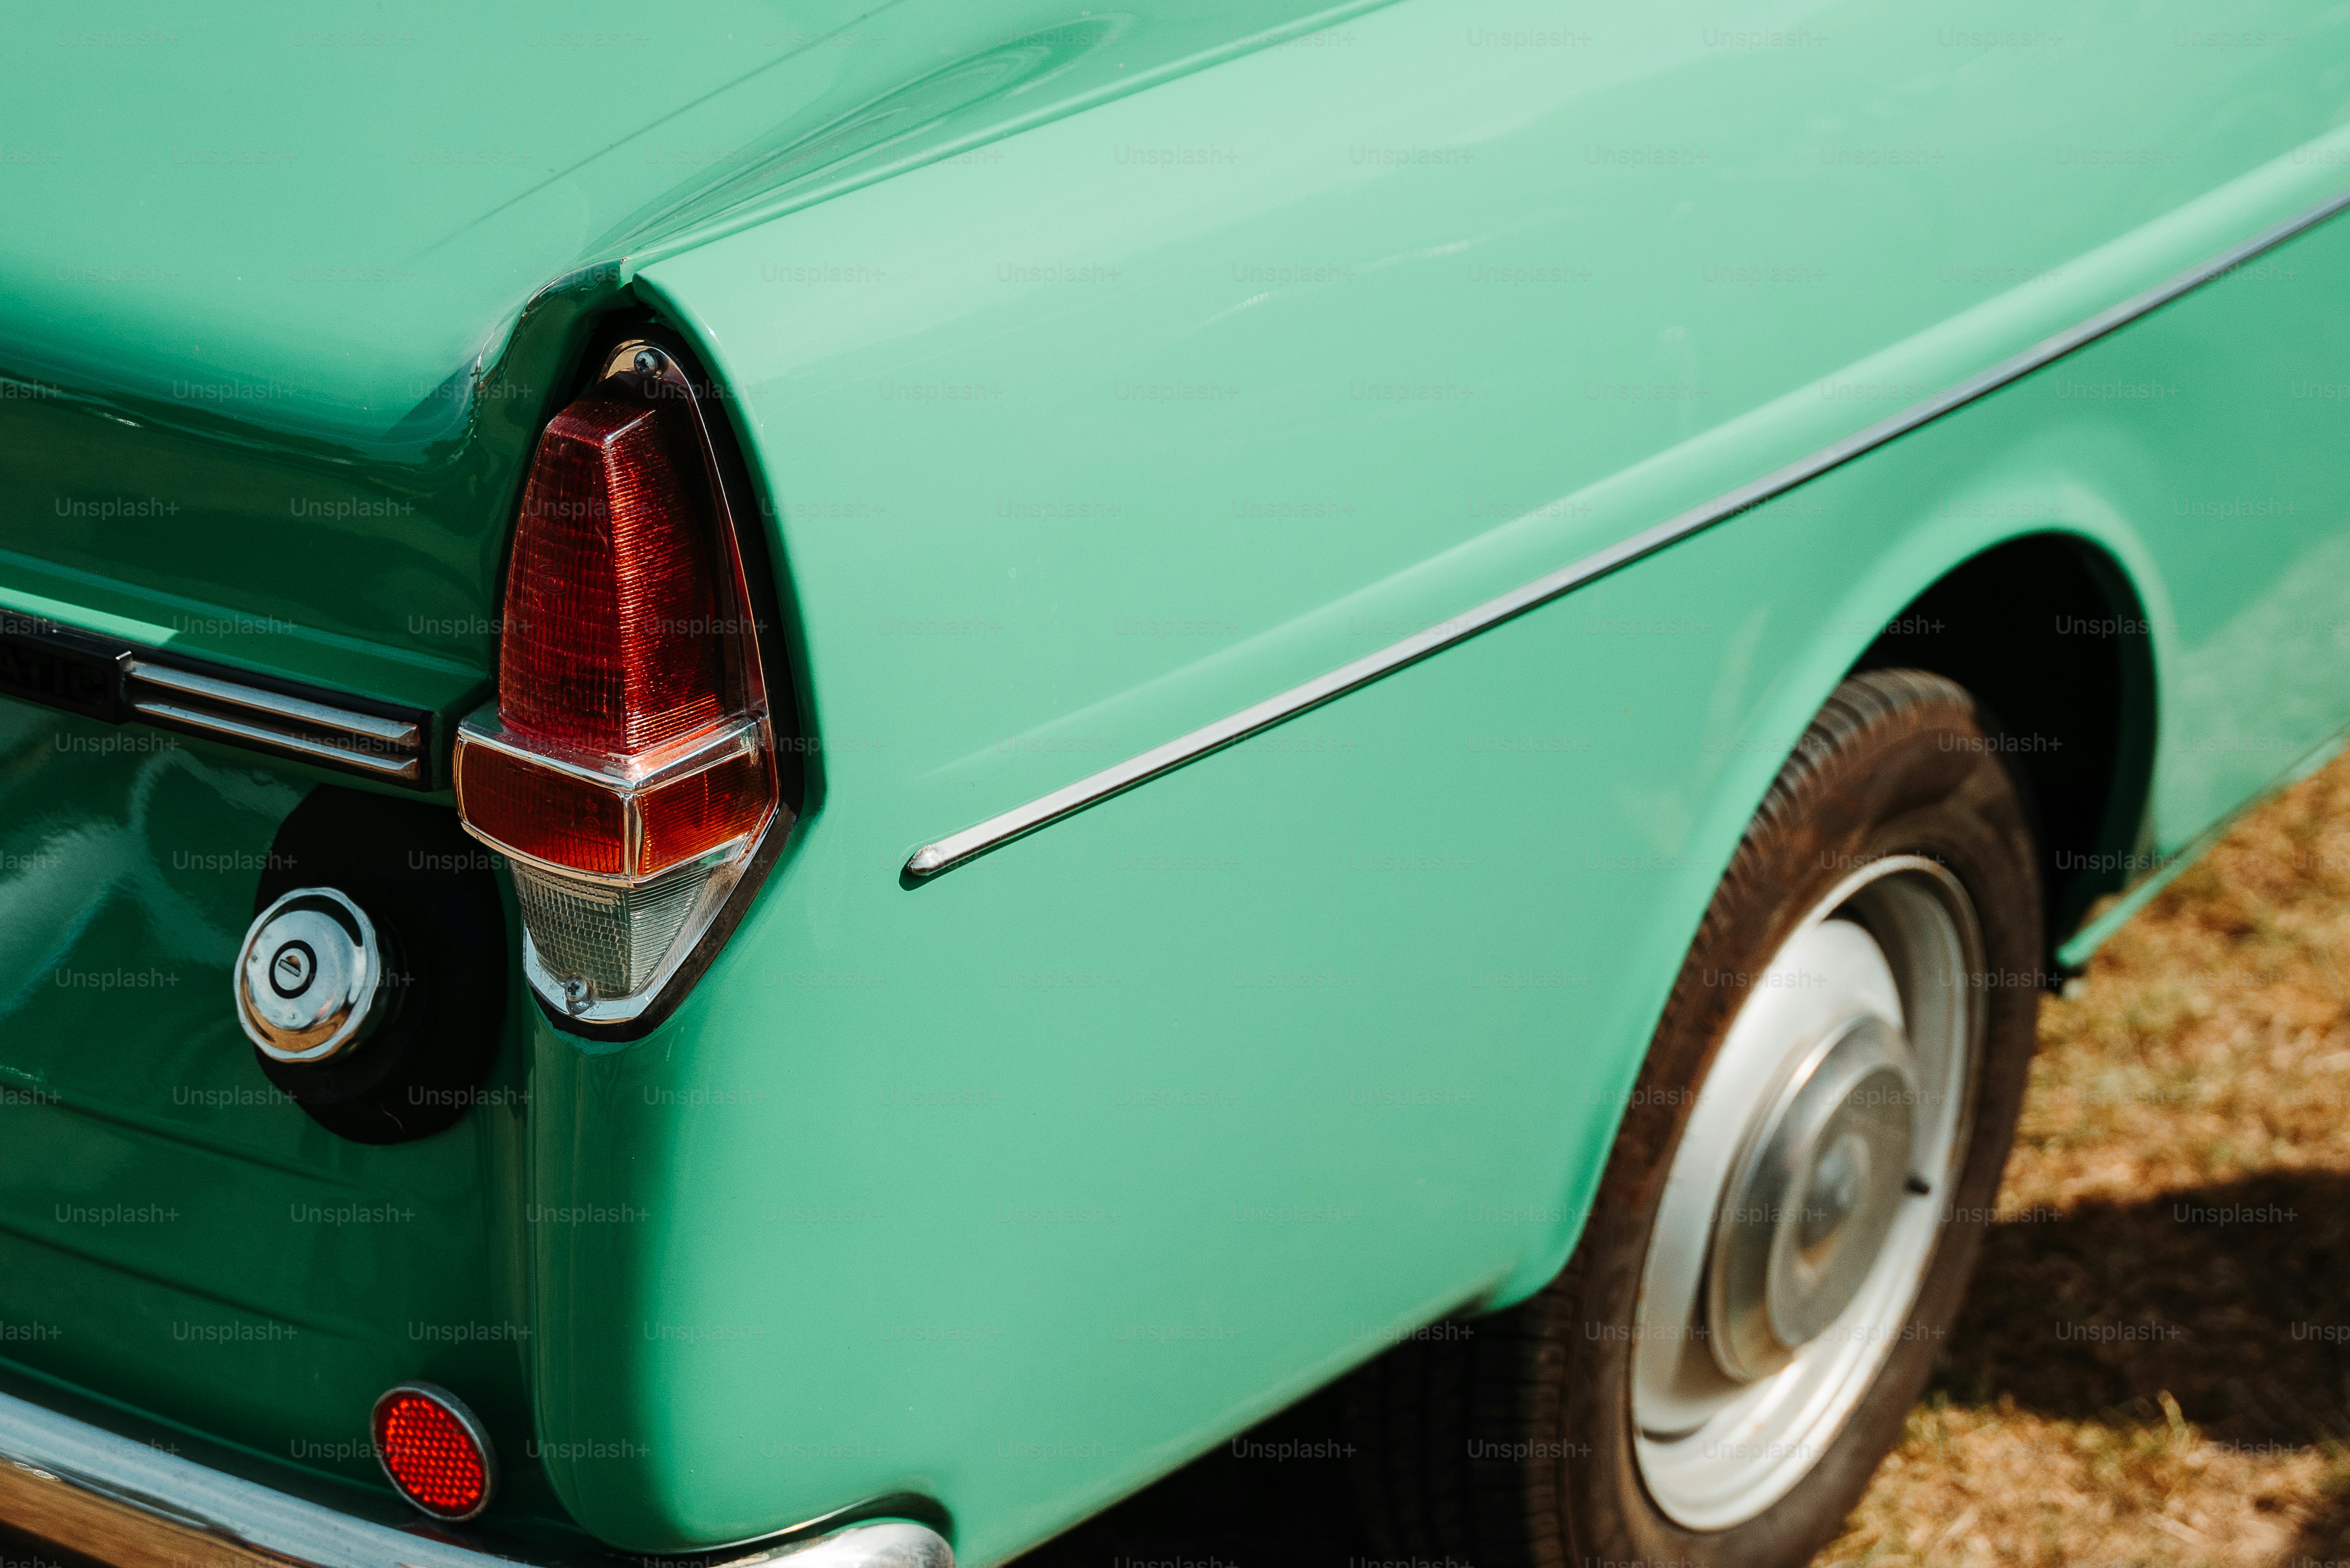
{"x": 434, "y": 1450}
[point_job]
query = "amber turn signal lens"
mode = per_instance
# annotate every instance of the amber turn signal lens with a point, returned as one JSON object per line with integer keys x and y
{"x": 703, "y": 811}
{"x": 434, "y": 1450}
{"x": 551, "y": 815}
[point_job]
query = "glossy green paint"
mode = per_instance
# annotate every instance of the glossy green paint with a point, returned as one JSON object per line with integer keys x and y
{"x": 1178, "y": 483}
{"x": 1018, "y": 1188}
{"x": 175, "y": 1235}
{"x": 269, "y": 355}
{"x": 285, "y": 297}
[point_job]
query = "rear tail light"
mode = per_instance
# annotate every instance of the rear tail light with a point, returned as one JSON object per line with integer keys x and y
{"x": 434, "y": 1450}
{"x": 628, "y": 767}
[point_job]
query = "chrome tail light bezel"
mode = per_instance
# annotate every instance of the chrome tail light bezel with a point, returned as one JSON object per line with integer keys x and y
{"x": 732, "y": 871}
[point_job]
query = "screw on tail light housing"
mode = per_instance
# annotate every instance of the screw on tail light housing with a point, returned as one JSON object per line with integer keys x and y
{"x": 628, "y": 768}
{"x": 434, "y": 1450}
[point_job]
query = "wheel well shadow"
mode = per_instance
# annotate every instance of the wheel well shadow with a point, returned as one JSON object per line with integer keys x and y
{"x": 2049, "y": 635}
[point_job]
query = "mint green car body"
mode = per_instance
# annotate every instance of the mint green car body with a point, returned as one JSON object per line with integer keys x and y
{"x": 1100, "y": 374}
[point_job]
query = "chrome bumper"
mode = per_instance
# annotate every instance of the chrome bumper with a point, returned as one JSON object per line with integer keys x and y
{"x": 129, "y": 1504}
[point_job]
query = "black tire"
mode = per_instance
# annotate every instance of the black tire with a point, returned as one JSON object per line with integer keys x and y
{"x": 1898, "y": 761}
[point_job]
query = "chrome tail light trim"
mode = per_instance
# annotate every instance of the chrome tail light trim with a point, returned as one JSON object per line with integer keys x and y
{"x": 674, "y": 955}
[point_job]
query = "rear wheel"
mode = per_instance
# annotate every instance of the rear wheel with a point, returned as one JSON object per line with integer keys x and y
{"x": 1795, "y": 1198}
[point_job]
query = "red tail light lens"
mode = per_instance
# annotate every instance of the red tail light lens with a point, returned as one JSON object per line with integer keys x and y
{"x": 611, "y": 573}
{"x": 434, "y": 1450}
{"x": 629, "y": 767}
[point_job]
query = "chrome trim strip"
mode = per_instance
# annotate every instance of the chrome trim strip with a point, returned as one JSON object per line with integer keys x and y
{"x": 301, "y": 745}
{"x": 636, "y": 776}
{"x": 884, "y": 1544}
{"x": 736, "y": 848}
{"x": 1004, "y": 826}
{"x": 391, "y": 732}
{"x": 127, "y": 1503}
{"x": 104, "y": 678}
{"x": 481, "y": 729}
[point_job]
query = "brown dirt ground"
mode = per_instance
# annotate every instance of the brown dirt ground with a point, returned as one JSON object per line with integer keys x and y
{"x": 2153, "y": 1367}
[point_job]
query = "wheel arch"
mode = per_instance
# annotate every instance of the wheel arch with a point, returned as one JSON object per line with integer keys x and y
{"x": 2048, "y": 631}
{"x": 1992, "y": 610}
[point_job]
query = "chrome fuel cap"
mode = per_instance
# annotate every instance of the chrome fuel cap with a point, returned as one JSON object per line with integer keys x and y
{"x": 311, "y": 980}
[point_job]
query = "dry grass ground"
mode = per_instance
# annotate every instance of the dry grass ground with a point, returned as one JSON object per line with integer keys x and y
{"x": 2154, "y": 1364}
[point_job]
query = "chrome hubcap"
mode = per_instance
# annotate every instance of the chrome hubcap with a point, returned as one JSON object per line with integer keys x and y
{"x": 1799, "y": 1214}
{"x": 1810, "y": 1206}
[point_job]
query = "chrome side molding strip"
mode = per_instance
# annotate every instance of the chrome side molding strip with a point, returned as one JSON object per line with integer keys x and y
{"x": 115, "y": 682}
{"x": 1004, "y": 826}
{"x": 136, "y": 1506}
{"x": 229, "y": 729}
{"x": 272, "y": 704}
{"x": 314, "y": 731}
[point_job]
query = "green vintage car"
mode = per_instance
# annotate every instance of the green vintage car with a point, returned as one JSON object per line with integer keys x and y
{"x": 811, "y": 779}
